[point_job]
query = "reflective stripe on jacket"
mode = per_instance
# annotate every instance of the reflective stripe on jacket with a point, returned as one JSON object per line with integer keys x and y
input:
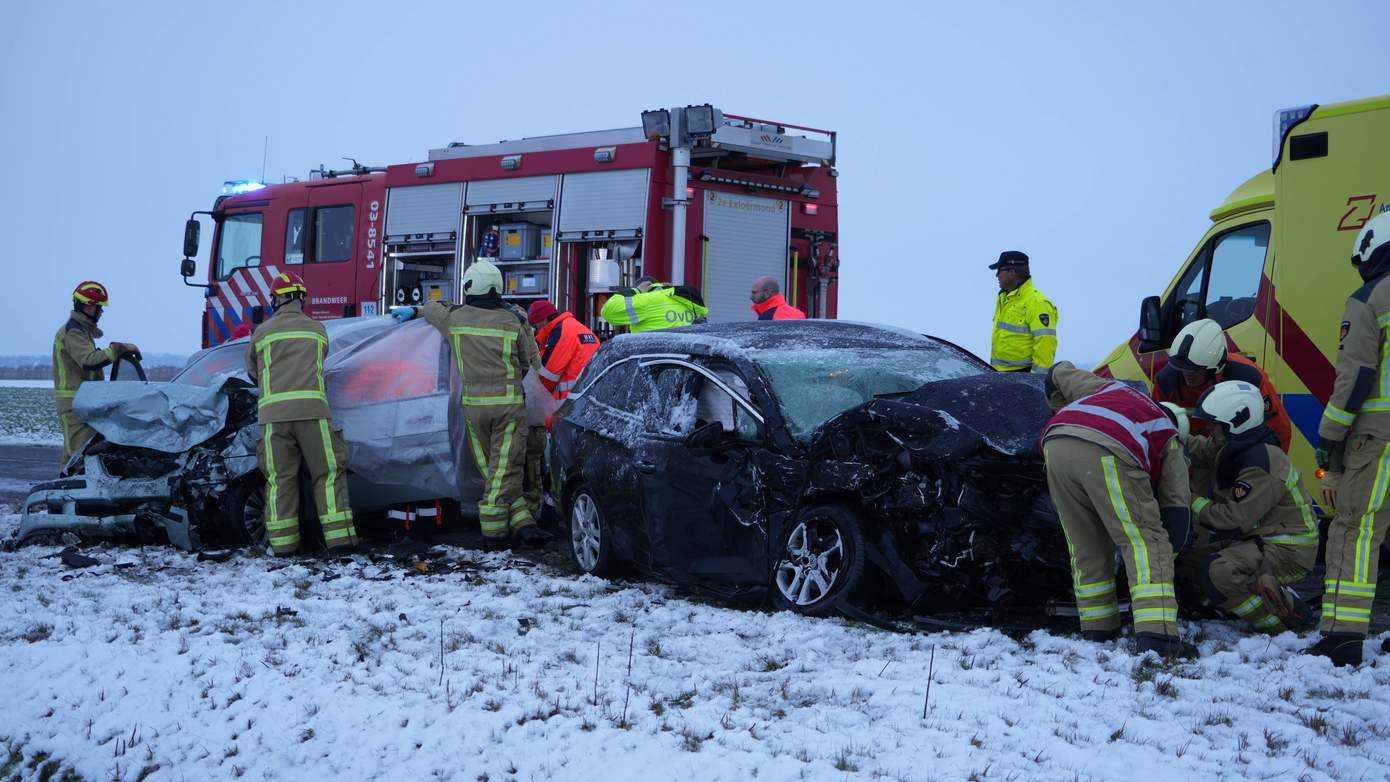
{"x": 1360, "y": 401}
{"x": 492, "y": 346}
{"x": 566, "y": 345}
{"x": 285, "y": 359}
{"x": 1025, "y": 330}
{"x": 1126, "y": 416}
{"x": 662, "y": 307}
{"x": 777, "y": 308}
{"x": 1257, "y": 493}
{"x": 76, "y": 358}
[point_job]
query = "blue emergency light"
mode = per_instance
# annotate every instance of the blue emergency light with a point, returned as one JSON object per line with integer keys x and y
{"x": 239, "y": 186}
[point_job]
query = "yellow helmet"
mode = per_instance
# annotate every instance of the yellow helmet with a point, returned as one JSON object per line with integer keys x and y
{"x": 288, "y": 283}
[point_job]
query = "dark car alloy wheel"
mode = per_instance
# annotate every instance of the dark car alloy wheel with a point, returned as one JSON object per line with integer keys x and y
{"x": 588, "y": 536}
{"x": 244, "y": 513}
{"x": 822, "y": 558}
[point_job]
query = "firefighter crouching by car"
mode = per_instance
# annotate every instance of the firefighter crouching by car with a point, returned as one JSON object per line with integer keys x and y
{"x": 1118, "y": 477}
{"x": 1256, "y": 530}
{"x": 1025, "y": 322}
{"x": 653, "y": 305}
{"x": 1198, "y": 359}
{"x": 1354, "y": 448}
{"x": 285, "y": 358}
{"x": 77, "y": 359}
{"x": 493, "y": 350}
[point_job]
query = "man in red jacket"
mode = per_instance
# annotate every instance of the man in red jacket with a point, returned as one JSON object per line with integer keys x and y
{"x": 566, "y": 345}
{"x": 769, "y": 304}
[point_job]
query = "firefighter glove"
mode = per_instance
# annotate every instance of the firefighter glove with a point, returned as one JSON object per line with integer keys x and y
{"x": 402, "y": 314}
{"x": 126, "y": 349}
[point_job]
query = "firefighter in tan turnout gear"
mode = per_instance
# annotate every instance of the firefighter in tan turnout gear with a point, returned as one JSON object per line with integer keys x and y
{"x": 77, "y": 359}
{"x": 1256, "y": 530}
{"x": 1118, "y": 477}
{"x": 493, "y": 350}
{"x": 1354, "y": 448}
{"x": 285, "y": 359}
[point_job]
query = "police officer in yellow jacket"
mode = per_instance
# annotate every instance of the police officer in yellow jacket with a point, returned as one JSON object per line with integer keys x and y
{"x": 1354, "y": 448}
{"x": 653, "y": 305}
{"x": 1025, "y": 322}
{"x": 1257, "y": 531}
{"x": 493, "y": 350}
{"x": 76, "y": 359}
{"x": 285, "y": 359}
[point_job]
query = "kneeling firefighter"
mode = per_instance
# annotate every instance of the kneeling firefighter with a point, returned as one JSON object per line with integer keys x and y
{"x": 1118, "y": 477}
{"x": 285, "y": 358}
{"x": 1256, "y": 530}
{"x": 493, "y": 349}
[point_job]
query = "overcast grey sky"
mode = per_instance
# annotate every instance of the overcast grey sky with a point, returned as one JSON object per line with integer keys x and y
{"x": 1093, "y": 137}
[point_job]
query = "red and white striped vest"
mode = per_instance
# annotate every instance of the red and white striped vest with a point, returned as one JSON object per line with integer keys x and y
{"x": 1126, "y": 416}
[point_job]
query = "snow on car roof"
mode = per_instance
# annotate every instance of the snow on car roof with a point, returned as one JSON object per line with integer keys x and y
{"x": 734, "y": 339}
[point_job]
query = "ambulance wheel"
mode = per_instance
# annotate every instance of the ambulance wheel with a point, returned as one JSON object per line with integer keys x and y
{"x": 591, "y": 545}
{"x": 243, "y": 513}
{"x": 821, "y": 561}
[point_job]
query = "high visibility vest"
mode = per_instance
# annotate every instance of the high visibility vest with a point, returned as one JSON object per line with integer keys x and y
{"x": 566, "y": 345}
{"x": 1126, "y": 416}
{"x": 662, "y": 307}
{"x": 285, "y": 358}
{"x": 1025, "y": 331}
{"x": 777, "y": 308}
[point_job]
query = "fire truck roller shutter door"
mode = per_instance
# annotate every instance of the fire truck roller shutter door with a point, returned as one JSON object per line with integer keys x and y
{"x": 494, "y": 195}
{"x": 604, "y": 201}
{"x": 748, "y": 238}
{"x": 424, "y": 209}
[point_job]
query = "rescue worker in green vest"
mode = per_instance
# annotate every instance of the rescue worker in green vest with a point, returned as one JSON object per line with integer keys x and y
{"x": 1354, "y": 449}
{"x": 652, "y": 305}
{"x": 1025, "y": 322}
{"x": 77, "y": 359}
{"x": 1256, "y": 531}
{"x": 493, "y": 352}
{"x": 285, "y": 359}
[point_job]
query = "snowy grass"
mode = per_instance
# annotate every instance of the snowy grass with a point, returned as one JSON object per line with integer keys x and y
{"x": 27, "y": 417}
{"x": 157, "y": 666}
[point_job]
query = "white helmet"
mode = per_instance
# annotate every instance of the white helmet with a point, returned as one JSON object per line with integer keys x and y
{"x": 1374, "y": 235}
{"x": 482, "y": 278}
{"x": 1235, "y": 404}
{"x": 1179, "y": 415}
{"x": 1200, "y": 345}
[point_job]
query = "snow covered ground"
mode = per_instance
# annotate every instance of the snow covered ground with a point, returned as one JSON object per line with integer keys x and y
{"x": 27, "y": 415}
{"x": 487, "y": 666}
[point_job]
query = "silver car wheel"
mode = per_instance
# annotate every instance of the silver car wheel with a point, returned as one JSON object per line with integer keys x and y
{"x": 585, "y": 536}
{"x": 253, "y": 516}
{"x": 811, "y": 562}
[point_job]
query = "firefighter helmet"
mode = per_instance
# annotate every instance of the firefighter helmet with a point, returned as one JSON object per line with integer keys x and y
{"x": 482, "y": 278}
{"x": 1200, "y": 345}
{"x": 288, "y": 284}
{"x": 1235, "y": 404}
{"x": 88, "y": 292}
{"x": 1179, "y": 416}
{"x": 1372, "y": 241}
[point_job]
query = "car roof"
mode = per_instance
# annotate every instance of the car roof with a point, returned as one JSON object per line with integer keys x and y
{"x": 738, "y": 340}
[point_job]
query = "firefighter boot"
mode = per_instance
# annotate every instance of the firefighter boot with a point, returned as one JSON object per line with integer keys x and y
{"x": 1100, "y": 636}
{"x": 1343, "y": 649}
{"x": 1164, "y": 646}
{"x": 1284, "y": 603}
{"x": 532, "y": 536}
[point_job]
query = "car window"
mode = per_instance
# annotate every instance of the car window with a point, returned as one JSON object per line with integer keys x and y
{"x": 1237, "y": 265}
{"x": 671, "y": 406}
{"x": 614, "y": 387}
{"x": 815, "y": 384}
{"x": 212, "y": 365}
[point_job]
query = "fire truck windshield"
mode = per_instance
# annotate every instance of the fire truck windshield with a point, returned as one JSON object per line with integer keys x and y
{"x": 239, "y": 243}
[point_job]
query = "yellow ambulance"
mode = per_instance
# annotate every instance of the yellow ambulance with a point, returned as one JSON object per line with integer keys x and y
{"x": 1274, "y": 267}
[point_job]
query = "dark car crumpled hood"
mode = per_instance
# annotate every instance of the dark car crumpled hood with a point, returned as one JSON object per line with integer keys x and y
{"x": 1002, "y": 412}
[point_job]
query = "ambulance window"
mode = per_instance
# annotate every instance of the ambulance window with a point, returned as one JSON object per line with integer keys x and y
{"x": 332, "y": 234}
{"x": 1237, "y": 265}
{"x": 238, "y": 243}
{"x": 1186, "y": 304}
{"x": 295, "y": 237}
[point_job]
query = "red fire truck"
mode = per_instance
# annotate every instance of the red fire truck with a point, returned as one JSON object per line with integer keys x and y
{"x": 570, "y": 218}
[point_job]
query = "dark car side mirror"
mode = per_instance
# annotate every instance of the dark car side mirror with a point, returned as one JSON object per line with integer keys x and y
{"x": 188, "y": 267}
{"x": 191, "y": 232}
{"x": 1150, "y": 325}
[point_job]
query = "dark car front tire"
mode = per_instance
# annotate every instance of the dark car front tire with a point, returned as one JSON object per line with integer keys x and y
{"x": 243, "y": 513}
{"x": 820, "y": 559}
{"x": 591, "y": 545}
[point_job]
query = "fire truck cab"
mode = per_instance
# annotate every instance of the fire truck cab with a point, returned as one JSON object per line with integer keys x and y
{"x": 693, "y": 197}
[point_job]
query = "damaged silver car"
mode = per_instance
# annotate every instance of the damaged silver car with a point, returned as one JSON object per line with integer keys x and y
{"x": 176, "y": 461}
